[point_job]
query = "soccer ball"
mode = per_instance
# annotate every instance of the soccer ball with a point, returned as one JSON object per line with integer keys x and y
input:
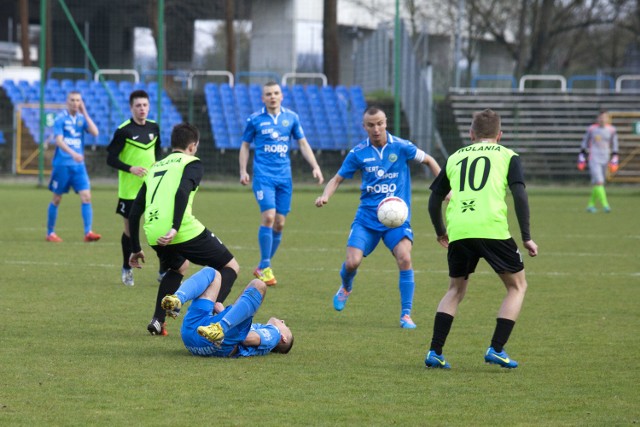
{"x": 392, "y": 212}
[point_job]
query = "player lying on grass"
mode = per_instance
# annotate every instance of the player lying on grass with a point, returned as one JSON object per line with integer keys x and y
{"x": 211, "y": 330}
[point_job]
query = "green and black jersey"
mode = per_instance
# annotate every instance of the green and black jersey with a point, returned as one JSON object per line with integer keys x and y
{"x": 133, "y": 145}
{"x": 478, "y": 178}
{"x": 162, "y": 183}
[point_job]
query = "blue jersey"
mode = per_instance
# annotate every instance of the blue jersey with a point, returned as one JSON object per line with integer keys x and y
{"x": 72, "y": 129}
{"x": 385, "y": 172}
{"x": 271, "y": 136}
{"x": 269, "y": 339}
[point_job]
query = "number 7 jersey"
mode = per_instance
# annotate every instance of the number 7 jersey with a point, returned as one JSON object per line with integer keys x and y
{"x": 162, "y": 182}
{"x": 478, "y": 177}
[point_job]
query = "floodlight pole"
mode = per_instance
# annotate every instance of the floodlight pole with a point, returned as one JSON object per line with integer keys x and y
{"x": 42, "y": 59}
{"x": 396, "y": 72}
{"x": 160, "y": 60}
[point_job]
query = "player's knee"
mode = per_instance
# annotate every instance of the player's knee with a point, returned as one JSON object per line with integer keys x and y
{"x": 259, "y": 285}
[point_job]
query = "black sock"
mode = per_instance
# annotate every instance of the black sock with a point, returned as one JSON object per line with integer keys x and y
{"x": 228, "y": 276}
{"x": 168, "y": 286}
{"x": 125, "y": 241}
{"x": 502, "y": 333}
{"x": 441, "y": 328}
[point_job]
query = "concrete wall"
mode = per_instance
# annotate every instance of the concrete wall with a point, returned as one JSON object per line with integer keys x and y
{"x": 273, "y": 36}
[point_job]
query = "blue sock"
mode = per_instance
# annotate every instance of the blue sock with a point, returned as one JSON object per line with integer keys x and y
{"x": 244, "y": 307}
{"x": 265, "y": 239}
{"x": 87, "y": 216}
{"x": 277, "y": 238}
{"x": 52, "y": 216}
{"x": 407, "y": 286}
{"x": 195, "y": 285}
{"x": 347, "y": 278}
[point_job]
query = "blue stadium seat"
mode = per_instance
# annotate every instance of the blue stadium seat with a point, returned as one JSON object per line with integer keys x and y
{"x": 2, "y": 139}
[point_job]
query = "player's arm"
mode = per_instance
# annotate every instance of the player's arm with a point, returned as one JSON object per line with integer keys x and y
{"x": 114, "y": 149}
{"x": 439, "y": 190}
{"x": 308, "y": 155}
{"x": 252, "y": 339}
{"x": 64, "y": 147}
{"x": 430, "y": 162}
{"x": 158, "y": 147}
{"x": 243, "y": 160}
{"x": 91, "y": 126}
{"x": 329, "y": 189}
{"x": 515, "y": 179}
{"x": 137, "y": 209}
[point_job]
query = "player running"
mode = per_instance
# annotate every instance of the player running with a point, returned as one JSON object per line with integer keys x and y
{"x": 383, "y": 161}
{"x": 271, "y": 131}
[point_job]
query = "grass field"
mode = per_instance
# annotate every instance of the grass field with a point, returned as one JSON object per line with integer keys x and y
{"x": 74, "y": 349}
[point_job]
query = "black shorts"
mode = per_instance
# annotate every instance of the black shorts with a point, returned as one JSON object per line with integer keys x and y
{"x": 124, "y": 207}
{"x": 502, "y": 255}
{"x": 205, "y": 249}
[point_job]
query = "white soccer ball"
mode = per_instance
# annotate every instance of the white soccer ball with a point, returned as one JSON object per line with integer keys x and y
{"x": 392, "y": 212}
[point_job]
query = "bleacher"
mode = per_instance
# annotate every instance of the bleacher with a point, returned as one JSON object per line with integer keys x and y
{"x": 546, "y": 129}
{"x": 107, "y": 104}
{"x": 331, "y": 117}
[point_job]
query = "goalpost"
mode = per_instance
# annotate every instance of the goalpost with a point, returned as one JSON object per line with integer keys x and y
{"x": 627, "y": 124}
{"x": 27, "y": 143}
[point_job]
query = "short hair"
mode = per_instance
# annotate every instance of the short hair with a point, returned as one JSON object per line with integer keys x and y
{"x": 271, "y": 83}
{"x": 486, "y": 124}
{"x": 373, "y": 109}
{"x": 138, "y": 94}
{"x": 284, "y": 348}
{"x": 73, "y": 92}
{"x": 184, "y": 134}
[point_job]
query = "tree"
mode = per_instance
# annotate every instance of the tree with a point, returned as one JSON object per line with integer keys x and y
{"x": 330, "y": 46}
{"x": 24, "y": 32}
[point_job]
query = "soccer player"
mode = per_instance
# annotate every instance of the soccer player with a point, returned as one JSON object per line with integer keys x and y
{"x": 600, "y": 146}
{"x": 383, "y": 161}
{"x": 166, "y": 199}
{"x": 271, "y": 130}
{"x": 477, "y": 177}
{"x": 69, "y": 170}
{"x": 211, "y": 330}
{"x": 134, "y": 148}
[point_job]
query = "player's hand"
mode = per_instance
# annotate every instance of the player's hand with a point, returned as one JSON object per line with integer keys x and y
{"x": 138, "y": 171}
{"x": 317, "y": 174}
{"x": 82, "y": 108}
{"x": 448, "y": 197}
{"x": 135, "y": 258}
{"x": 77, "y": 157}
{"x": 531, "y": 246}
{"x": 321, "y": 201}
{"x": 245, "y": 178}
{"x": 167, "y": 238}
{"x": 443, "y": 240}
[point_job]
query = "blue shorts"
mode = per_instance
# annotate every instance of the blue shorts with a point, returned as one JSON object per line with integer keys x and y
{"x": 200, "y": 313}
{"x": 273, "y": 193}
{"x": 366, "y": 239}
{"x": 65, "y": 177}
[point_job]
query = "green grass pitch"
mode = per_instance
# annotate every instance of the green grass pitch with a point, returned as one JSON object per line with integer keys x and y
{"x": 74, "y": 349}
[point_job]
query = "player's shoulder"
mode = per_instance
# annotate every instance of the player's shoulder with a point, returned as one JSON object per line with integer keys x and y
{"x": 288, "y": 112}
{"x": 397, "y": 140}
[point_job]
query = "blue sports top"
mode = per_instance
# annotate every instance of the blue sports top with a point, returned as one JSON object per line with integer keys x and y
{"x": 72, "y": 129}
{"x": 269, "y": 339}
{"x": 385, "y": 172}
{"x": 271, "y": 136}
